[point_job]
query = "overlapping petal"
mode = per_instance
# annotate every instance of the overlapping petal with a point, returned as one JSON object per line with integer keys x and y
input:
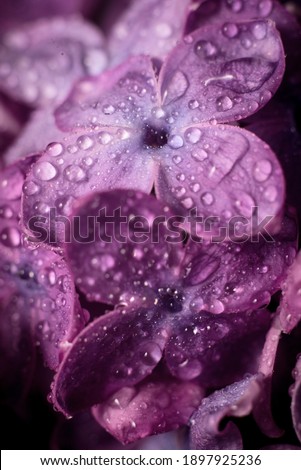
{"x": 117, "y": 350}
{"x": 77, "y": 166}
{"x": 148, "y": 27}
{"x": 201, "y": 345}
{"x": 236, "y": 277}
{"x": 40, "y": 61}
{"x": 224, "y": 76}
{"x": 290, "y": 307}
{"x": 236, "y": 400}
{"x": 119, "y": 251}
{"x": 121, "y": 97}
{"x": 224, "y": 174}
{"x": 156, "y": 405}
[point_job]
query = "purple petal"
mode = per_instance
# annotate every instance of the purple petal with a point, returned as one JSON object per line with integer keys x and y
{"x": 119, "y": 262}
{"x": 235, "y": 277}
{"x": 148, "y": 27}
{"x": 40, "y": 61}
{"x": 204, "y": 345}
{"x": 121, "y": 97}
{"x": 296, "y": 399}
{"x": 117, "y": 350}
{"x": 38, "y": 132}
{"x": 229, "y": 12}
{"x": 211, "y": 76}
{"x": 78, "y": 166}
{"x": 262, "y": 410}
{"x": 154, "y": 406}
{"x": 290, "y": 307}
{"x": 236, "y": 400}
{"x": 230, "y": 177}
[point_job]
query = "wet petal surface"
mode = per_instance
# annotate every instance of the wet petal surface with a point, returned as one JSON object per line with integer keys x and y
{"x": 222, "y": 77}
{"x": 226, "y": 174}
{"x": 78, "y": 166}
{"x": 124, "y": 255}
{"x": 156, "y": 405}
{"x": 235, "y": 277}
{"x": 39, "y": 62}
{"x": 123, "y": 96}
{"x": 290, "y": 307}
{"x": 296, "y": 399}
{"x": 117, "y": 350}
{"x": 148, "y": 27}
{"x": 201, "y": 345}
{"x": 235, "y": 400}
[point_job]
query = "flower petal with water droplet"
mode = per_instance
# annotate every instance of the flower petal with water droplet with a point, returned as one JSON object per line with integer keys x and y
{"x": 158, "y": 404}
{"x": 230, "y": 77}
{"x": 296, "y": 399}
{"x": 290, "y": 306}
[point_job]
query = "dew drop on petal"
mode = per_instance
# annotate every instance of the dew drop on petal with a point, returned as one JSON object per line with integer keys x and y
{"x": 265, "y": 7}
{"x": 270, "y": 194}
{"x": 85, "y": 142}
{"x": 30, "y": 188}
{"x": 55, "y": 149}
{"x": 245, "y": 204}
{"x": 207, "y": 199}
{"x": 108, "y": 109}
{"x": 45, "y": 171}
{"x": 193, "y": 104}
{"x": 224, "y": 103}
{"x": 177, "y": 159}
{"x": 187, "y": 203}
{"x": 151, "y": 353}
{"x": 235, "y": 5}
{"x": 206, "y": 49}
{"x": 193, "y": 135}
{"x": 262, "y": 170}
{"x": 189, "y": 369}
{"x": 259, "y": 30}
{"x": 74, "y": 173}
{"x": 230, "y": 30}
{"x": 195, "y": 187}
{"x": 175, "y": 141}
{"x": 10, "y": 237}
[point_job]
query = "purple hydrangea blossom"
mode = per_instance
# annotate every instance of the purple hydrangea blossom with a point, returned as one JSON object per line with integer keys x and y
{"x": 130, "y": 128}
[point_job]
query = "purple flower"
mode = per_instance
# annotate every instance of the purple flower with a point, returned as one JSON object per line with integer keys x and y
{"x": 129, "y": 128}
{"x": 195, "y": 308}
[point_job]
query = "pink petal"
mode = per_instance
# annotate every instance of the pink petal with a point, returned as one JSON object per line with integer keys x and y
{"x": 290, "y": 307}
{"x": 236, "y": 400}
{"x": 77, "y": 166}
{"x": 148, "y": 27}
{"x": 40, "y": 61}
{"x": 235, "y": 277}
{"x": 211, "y": 76}
{"x": 154, "y": 406}
{"x": 119, "y": 263}
{"x": 117, "y": 350}
{"x": 204, "y": 345}
{"x": 230, "y": 177}
{"x": 121, "y": 97}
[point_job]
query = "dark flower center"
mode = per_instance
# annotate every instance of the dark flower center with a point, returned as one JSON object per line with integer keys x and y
{"x": 154, "y": 137}
{"x": 170, "y": 299}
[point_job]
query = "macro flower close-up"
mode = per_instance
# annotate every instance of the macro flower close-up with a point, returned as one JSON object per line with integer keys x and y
{"x": 150, "y": 274}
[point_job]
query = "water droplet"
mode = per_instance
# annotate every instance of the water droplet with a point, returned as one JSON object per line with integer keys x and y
{"x": 265, "y": 7}
{"x": 224, "y": 103}
{"x": 262, "y": 170}
{"x": 181, "y": 177}
{"x": 85, "y": 142}
{"x": 187, "y": 203}
{"x": 74, "y": 173}
{"x": 177, "y": 159}
{"x": 104, "y": 138}
{"x": 189, "y": 369}
{"x": 163, "y": 30}
{"x": 199, "y": 155}
{"x": 11, "y": 237}
{"x": 246, "y": 43}
{"x": 230, "y": 30}
{"x": 109, "y": 109}
{"x": 207, "y": 199}
{"x": 235, "y": 5}
{"x": 30, "y": 188}
{"x": 270, "y": 194}
{"x": 193, "y": 135}
{"x": 45, "y": 171}
{"x": 177, "y": 87}
{"x": 259, "y": 30}
{"x": 54, "y": 149}
{"x": 175, "y": 141}
{"x": 216, "y": 306}
{"x": 195, "y": 187}
{"x": 193, "y": 104}
{"x": 253, "y": 106}
{"x": 150, "y": 353}
{"x": 206, "y": 49}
